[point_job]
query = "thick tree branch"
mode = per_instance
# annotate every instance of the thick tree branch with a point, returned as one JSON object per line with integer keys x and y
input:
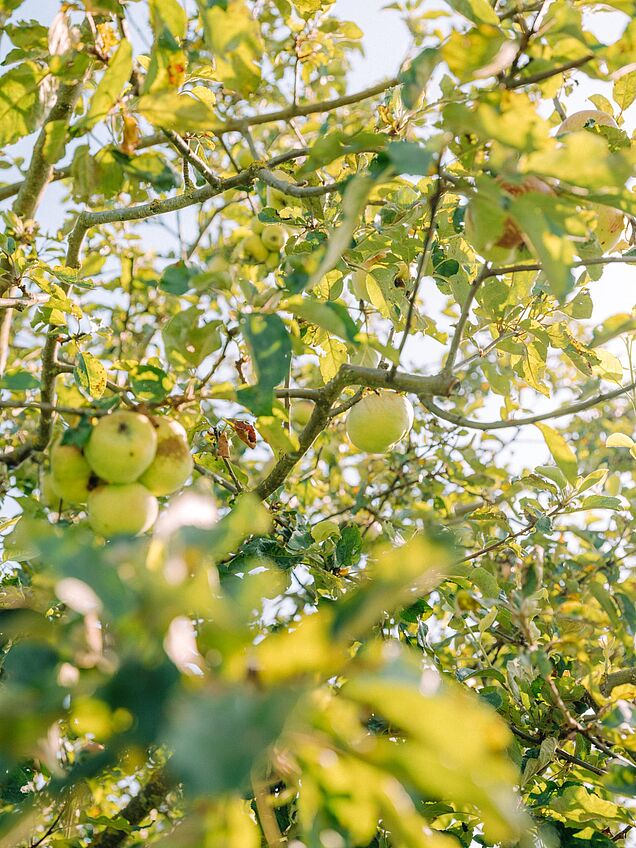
{"x": 150, "y": 797}
{"x": 294, "y": 190}
{"x": 22, "y": 302}
{"x": 617, "y": 678}
{"x": 569, "y": 409}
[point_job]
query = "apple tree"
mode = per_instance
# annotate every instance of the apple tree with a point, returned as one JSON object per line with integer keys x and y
{"x": 278, "y": 565}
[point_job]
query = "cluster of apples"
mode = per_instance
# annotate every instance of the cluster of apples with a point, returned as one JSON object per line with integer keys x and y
{"x": 128, "y": 462}
{"x": 262, "y": 244}
{"x": 607, "y": 225}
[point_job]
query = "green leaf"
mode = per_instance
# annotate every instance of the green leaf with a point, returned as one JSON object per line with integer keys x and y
{"x": 149, "y": 382}
{"x": 170, "y": 110}
{"x": 175, "y": 278}
{"x": 624, "y": 90}
{"x": 538, "y": 218}
{"x": 619, "y": 440}
{"x": 90, "y": 375}
{"x": 409, "y": 157}
{"x": 332, "y": 317}
{"x": 20, "y": 107}
{"x": 333, "y": 145}
{"x": 601, "y": 502}
{"x": 110, "y": 86}
{"x": 233, "y": 35}
{"x": 187, "y": 343}
{"x": 55, "y": 140}
{"x": 270, "y": 349}
{"x": 477, "y": 11}
{"x": 353, "y": 202}
{"x": 417, "y": 74}
{"x": 217, "y": 737}
{"x": 561, "y": 451}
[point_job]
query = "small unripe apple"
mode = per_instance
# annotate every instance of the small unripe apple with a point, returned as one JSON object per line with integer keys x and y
{"x": 273, "y": 237}
{"x": 301, "y": 411}
{"x": 48, "y": 493}
{"x": 121, "y": 446}
{"x": 379, "y": 421}
{"x": 609, "y": 222}
{"x": 273, "y": 261}
{"x": 70, "y": 474}
{"x": 243, "y": 158}
{"x": 121, "y": 509}
{"x": 511, "y": 237}
{"x": 172, "y": 464}
{"x": 608, "y": 226}
{"x": 253, "y": 248}
{"x": 586, "y": 118}
{"x": 276, "y": 199}
{"x": 365, "y": 356}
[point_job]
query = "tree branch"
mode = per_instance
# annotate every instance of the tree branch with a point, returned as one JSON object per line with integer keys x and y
{"x": 534, "y": 266}
{"x": 570, "y": 409}
{"x": 463, "y": 318}
{"x": 295, "y": 190}
{"x": 301, "y": 110}
{"x": 518, "y": 82}
{"x": 150, "y": 797}
{"x": 617, "y": 678}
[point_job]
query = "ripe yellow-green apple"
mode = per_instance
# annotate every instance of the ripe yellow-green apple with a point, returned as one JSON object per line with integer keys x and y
{"x": 70, "y": 473}
{"x": 586, "y": 118}
{"x": 365, "y": 356}
{"x": 379, "y": 421}
{"x": 172, "y": 464}
{"x": 301, "y": 411}
{"x": 121, "y": 446}
{"x": 510, "y": 238}
{"x": 121, "y": 509}
{"x": 48, "y": 494}
{"x": 277, "y": 199}
{"x": 273, "y": 237}
{"x": 253, "y": 248}
{"x": 609, "y": 222}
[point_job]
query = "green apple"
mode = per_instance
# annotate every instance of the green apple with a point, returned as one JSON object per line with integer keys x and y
{"x": 277, "y": 199}
{"x": 121, "y": 446}
{"x": 243, "y": 158}
{"x": 70, "y": 474}
{"x": 502, "y": 248}
{"x": 254, "y": 249}
{"x": 273, "y": 261}
{"x": 273, "y": 237}
{"x": 379, "y": 421}
{"x": 121, "y": 509}
{"x": 48, "y": 494}
{"x": 608, "y": 226}
{"x": 609, "y": 222}
{"x": 586, "y": 118}
{"x": 301, "y": 411}
{"x": 172, "y": 464}
{"x": 365, "y": 356}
